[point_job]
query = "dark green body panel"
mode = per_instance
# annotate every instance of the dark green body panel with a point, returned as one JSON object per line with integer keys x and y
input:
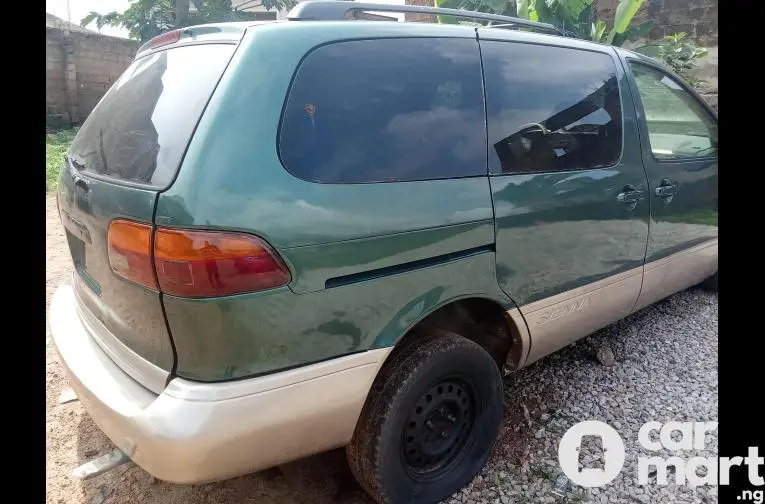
{"x": 132, "y": 313}
{"x": 232, "y": 179}
{"x": 562, "y": 230}
{"x": 690, "y": 217}
{"x": 257, "y": 333}
{"x": 368, "y": 261}
{"x": 90, "y": 199}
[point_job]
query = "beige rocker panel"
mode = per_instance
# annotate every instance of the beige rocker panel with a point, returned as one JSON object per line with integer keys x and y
{"x": 550, "y": 324}
{"x": 559, "y": 320}
{"x": 666, "y": 276}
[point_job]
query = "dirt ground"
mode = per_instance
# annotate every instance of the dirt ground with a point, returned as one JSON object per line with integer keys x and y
{"x": 72, "y": 439}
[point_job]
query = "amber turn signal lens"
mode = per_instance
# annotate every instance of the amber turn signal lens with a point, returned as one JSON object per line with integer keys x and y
{"x": 130, "y": 252}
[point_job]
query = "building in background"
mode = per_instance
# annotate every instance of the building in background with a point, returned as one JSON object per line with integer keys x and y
{"x": 80, "y": 66}
{"x": 420, "y": 18}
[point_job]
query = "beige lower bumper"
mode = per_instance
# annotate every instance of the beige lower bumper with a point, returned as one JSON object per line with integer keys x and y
{"x": 195, "y": 432}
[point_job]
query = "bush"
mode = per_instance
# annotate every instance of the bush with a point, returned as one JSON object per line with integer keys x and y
{"x": 56, "y": 145}
{"x": 681, "y": 55}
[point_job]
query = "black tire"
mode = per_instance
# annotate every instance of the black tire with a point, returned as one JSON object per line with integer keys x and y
{"x": 710, "y": 283}
{"x": 395, "y": 454}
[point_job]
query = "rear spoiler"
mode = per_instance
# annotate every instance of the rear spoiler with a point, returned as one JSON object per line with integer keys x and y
{"x": 221, "y": 33}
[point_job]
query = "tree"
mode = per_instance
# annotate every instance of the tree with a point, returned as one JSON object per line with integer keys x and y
{"x": 679, "y": 53}
{"x": 574, "y": 17}
{"x": 145, "y": 19}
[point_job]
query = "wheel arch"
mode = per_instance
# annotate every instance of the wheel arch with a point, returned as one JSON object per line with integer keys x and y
{"x": 496, "y": 325}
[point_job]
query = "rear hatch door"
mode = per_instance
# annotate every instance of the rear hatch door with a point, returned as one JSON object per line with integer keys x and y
{"x": 127, "y": 151}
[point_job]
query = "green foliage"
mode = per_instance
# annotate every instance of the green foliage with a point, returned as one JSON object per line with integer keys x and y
{"x": 625, "y": 11}
{"x": 56, "y": 145}
{"x": 505, "y": 7}
{"x": 145, "y": 19}
{"x": 681, "y": 55}
{"x": 444, "y": 19}
{"x": 598, "y": 31}
{"x": 632, "y": 33}
{"x": 574, "y": 17}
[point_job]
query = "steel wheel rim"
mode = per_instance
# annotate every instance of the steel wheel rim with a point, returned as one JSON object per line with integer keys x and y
{"x": 439, "y": 428}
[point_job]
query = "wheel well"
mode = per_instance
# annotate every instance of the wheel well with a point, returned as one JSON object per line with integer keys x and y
{"x": 480, "y": 320}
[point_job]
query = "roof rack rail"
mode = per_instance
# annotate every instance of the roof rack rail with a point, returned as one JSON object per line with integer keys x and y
{"x": 336, "y": 10}
{"x": 514, "y": 25}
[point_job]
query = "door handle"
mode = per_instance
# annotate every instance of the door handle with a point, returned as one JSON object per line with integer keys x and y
{"x": 629, "y": 197}
{"x": 666, "y": 190}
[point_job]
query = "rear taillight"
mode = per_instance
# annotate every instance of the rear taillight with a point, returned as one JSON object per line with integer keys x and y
{"x": 130, "y": 252}
{"x": 197, "y": 263}
{"x": 210, "y": 263}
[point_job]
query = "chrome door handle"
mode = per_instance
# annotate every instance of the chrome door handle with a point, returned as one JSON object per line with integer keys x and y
{"x": 630, "y": 197}
{"x": 666, "y": 190}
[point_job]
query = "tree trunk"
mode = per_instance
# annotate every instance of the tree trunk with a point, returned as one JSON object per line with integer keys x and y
{"x": 181, "y": 12}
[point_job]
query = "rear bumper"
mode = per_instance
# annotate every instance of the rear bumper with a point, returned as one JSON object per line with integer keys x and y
{"x": 198, "y": 432}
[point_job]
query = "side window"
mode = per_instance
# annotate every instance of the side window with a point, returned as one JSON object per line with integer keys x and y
{"x": 678, "y": 126}
{"x": 386, "y": 110}
{"x": 550, "y": 108}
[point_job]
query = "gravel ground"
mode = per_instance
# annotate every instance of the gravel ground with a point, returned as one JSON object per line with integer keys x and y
{"x": 658, "y": 375}
{"x": 665, "y": 368}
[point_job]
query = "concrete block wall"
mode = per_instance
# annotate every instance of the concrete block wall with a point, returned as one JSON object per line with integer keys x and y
{"x": 55, "y": 87}
{"x": 697, "y": 18}
{"x": 80, "y": 67}
{"x": 420, "y": 18}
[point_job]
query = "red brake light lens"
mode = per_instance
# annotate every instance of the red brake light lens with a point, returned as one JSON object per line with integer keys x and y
{"x": 211, "y": 263}
{"x": 194, "y": 263}
{"x": 170, "y": 37}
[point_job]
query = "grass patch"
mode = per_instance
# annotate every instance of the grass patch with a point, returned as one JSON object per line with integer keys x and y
{"x": 56, "y": 145}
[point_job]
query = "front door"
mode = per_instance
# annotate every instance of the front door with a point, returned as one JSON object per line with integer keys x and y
{"x": 569, "y": 190}
{"x": 679, "y": 143}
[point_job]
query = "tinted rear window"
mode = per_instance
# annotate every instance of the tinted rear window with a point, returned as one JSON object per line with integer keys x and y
{"x": 140, "y": 129}
{"x": 386, "y": 110}
{"x": 550, "y": 108}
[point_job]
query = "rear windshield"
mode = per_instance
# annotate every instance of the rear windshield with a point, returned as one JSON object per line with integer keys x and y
{"x": 140, "y": 129}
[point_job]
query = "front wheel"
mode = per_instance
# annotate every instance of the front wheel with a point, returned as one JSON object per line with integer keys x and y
{"x": 429, "y": 422}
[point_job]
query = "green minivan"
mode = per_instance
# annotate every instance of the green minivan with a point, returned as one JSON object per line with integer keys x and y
{"x": 327, "y": 232}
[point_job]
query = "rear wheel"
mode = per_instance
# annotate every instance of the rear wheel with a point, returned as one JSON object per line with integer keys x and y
{"x": 710, "y": 283}
{"x": 429, "y": 422}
